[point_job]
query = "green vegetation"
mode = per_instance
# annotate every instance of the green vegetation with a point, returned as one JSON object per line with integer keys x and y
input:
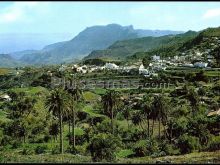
{"x": 176, "y": 123}
{"x": 8, "y": 61}
{"x": 123, "y": 49}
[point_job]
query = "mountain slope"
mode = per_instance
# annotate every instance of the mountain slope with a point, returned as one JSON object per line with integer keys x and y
{"x": 195, "y": 46}
{"x": 18, "y": 55}
{"x": 90, "y": 39}
{"x": 123, "y": 49}
{"x": 8, "y": 61}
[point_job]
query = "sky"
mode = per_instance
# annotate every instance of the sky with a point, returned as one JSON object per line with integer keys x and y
{"x": 67, "y": 19}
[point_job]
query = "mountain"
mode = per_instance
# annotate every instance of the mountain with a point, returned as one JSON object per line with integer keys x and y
{"x": 18, "y": 55}
{"x": 14, "y": 42}
{"x": 196, "y": 46}
{"x": 90, "y": 39}
{"x": 156, "y": 33}
{"x": 126, "y": 48}
{"x": 8, "y": 61}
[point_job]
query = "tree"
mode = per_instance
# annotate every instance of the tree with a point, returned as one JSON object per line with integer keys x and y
{"x": 21, "y": 107}
{"x": 146, "y": 61}
{"x": 111, "y": 102}
{"x": 56, "y": 103}
{"x": 147, "y": 108}
{"x": 193, "y": 98}
{"x": 137, "y": 119}
{"x": 103, "y": 147}
{"x": 76, "y": 95}
{"x": 54, "y": 130}
{"x": 160, "y": 108}
{"x": 216, "y": 54}
{"x": 127, "y": 113}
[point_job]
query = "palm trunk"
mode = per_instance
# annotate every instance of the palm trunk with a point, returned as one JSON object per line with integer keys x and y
{"x": 152, "y": 131}
{"x": 112, "y": 121}
{"x": 69, "y": 131}
{"x": 148, "y": 127}
{"x": 159, "y": 128}
{"x": 61, "y": 132}
{"x": 141, "y": 126}
{"x": 171, "y": 133}
{"x": 24, "y": 138}
{"x": 128, "y": 124}
{"x": 73, "y": 129}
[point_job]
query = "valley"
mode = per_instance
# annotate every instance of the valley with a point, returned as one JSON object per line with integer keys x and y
{"x": 113, "y": 94}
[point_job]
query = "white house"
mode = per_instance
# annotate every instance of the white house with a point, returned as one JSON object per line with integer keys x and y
{"x": 111, "y": 66}
{"x": 5, "y": 97}
{"x": 200, "y": 64}
{"x": 142, "y": 70}
{"x": 187, "y": 65}
{"x": 156, "y": 58}
{"x": 62, "y": 68}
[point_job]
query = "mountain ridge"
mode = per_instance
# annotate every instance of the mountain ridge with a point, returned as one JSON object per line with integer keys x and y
{"x": 91, "y": 38}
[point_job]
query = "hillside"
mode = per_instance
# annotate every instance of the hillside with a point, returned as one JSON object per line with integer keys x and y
{"x": 19, "y": 54}
{"x": 123, "y": 49}
{"x": 8, "y": 61}
{"x": 90, "y": 39}
{"x": 199, "y": 47}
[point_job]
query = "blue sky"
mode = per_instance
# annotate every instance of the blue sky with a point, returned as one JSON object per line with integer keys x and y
{"x": 73, "y": 17}
{"x": 59, "y": 21}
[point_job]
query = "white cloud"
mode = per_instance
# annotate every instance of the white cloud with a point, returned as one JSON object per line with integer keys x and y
{"x": 19, "y": 11}
{"x": 212, "y": 13}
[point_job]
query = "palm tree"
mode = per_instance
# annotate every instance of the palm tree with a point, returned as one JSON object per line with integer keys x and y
{"x": 137, "y": 119}
{"x": 54, "y": 130}
{"x": 111, "y": 102}
{"x": 56, "y": 103}
{"x": 127, "y": 114}
{"x": 193, "y": 98}
{"x": 20, "y": 111}
{"x": 160, "y": 110}
{"x": 147, "y": 110}
{"x": 76, "y": 96}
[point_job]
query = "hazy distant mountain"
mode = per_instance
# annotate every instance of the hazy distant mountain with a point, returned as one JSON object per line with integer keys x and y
{"x": 92, "y": 38}
{"x": 18, "y": 55}
{"x": 14, "y": 42}
{"x": 8, "y": 61}
{"x": 156, "y": 33}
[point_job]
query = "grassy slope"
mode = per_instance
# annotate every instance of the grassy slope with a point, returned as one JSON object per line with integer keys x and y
{"x": 196, "y": 157}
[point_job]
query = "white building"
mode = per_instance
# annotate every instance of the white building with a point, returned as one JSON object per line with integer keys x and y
{"x": 156, "y": 58}
{"x": 200, "y": 64}
{"x": 187, "y": 65}
{"x": 142, "y": 70}
{"x": 5, "y": 97}
{"x": 62, "y": 68}
{"x": 111, "y": 66}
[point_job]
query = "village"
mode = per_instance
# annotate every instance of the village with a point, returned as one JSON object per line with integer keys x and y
{"x": 156, "y": 64}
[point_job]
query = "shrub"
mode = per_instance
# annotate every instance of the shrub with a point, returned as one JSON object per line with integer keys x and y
{"x": 40, "y": 149}
{"x": 47, "y": 138}
{"x": 103, "y": 147}
{"x": 169, "y": 149}
{"x": 125, "y": 153}
{"x": 188, "y": 143}
{"x": 213, "y": 144}
{"x": 16, "y": 144}
{"x": 146, "y": 147}
{"x": 6, "y": 140}
{"x": 55, "y": 150}
{"x": 27, "y": 151}
{"x": 82, "y": 149}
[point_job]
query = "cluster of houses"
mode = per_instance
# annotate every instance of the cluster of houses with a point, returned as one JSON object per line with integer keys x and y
{"x": 194, "y": 58}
